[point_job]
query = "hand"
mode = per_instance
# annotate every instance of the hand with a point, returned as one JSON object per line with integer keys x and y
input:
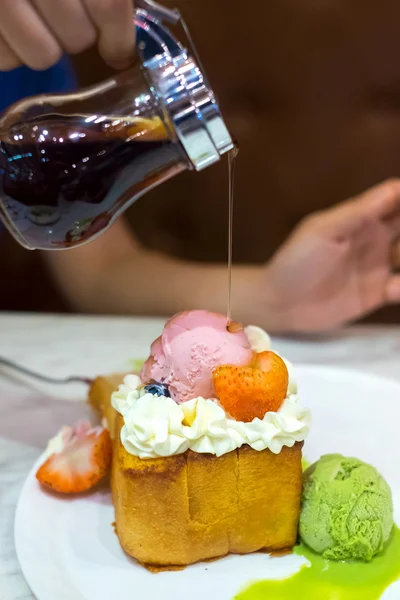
{"x": 37, "y": 32}
{"x": 338, "y": 265}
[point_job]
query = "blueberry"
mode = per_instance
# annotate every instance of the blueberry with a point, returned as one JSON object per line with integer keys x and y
{"x": 157, "y": 389}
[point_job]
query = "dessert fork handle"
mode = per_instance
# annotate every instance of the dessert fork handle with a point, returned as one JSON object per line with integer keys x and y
{"x": 56, "y": 380}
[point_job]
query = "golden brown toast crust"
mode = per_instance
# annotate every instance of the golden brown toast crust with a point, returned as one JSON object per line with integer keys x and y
{"x": 100, "y": 397}
{"x": 182, "y": 509}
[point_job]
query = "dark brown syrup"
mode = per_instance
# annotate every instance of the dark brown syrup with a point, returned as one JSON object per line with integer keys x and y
{"x": 64, "y": 178}
{"x": 232, "y": 326}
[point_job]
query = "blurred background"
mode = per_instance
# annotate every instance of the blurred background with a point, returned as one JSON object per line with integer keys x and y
{"x": 311, "y": 93}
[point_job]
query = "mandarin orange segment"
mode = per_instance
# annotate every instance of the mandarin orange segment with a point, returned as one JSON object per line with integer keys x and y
{"x": 250, "y": 392}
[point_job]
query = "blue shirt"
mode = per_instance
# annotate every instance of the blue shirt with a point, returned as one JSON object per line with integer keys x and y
{"x": 23, "y": 82}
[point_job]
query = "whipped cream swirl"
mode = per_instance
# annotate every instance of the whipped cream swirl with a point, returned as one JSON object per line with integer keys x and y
{"x": 155, "y": 426}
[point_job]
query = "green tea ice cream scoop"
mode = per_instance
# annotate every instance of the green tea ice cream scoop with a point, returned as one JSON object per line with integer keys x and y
{"x": 347, "y": 509}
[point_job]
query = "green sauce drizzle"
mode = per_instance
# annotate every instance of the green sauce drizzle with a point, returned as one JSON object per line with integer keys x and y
{"x": 331, "y": 580}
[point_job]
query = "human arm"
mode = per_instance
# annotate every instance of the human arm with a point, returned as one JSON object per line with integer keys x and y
{"x": 336, "y": 267}
{"x": 115, "y": 274}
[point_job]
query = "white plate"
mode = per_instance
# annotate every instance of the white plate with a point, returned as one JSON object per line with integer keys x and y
{"x": 68, "y": 550}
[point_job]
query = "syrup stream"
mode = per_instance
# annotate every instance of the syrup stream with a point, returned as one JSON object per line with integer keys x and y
{"x": 232, "y": 326}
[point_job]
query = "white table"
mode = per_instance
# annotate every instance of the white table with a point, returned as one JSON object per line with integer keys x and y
{"x": 64, "y": 345}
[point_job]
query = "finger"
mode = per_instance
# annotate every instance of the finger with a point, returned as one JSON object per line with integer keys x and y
{"x": 395, "y": 255}
{"x": 393, "y": 289}
{"x": 28, "y": 36}
{"x": 114, "y": 21}
{"x": 382, "y": 201}
{"x": 385, "y": 205}
{"x": 8, "y": 59}
{"x": 394, "y": 226}
{"x": 69, "y": 23}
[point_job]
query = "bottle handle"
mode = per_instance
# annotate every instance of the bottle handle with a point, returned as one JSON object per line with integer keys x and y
{"x": 160, "y": 12}
{"x": 172, "y": 16}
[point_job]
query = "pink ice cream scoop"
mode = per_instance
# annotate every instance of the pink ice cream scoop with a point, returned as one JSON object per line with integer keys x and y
{"x": 191, "y": 346}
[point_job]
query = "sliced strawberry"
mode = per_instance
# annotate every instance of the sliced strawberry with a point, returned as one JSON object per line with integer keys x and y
{"x": 82, "y": 458}
{"x": 268, "y": 361}
{"x": 249, "y": 392}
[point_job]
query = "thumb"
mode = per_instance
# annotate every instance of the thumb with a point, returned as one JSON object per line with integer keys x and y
{"x": 382, "y": 201}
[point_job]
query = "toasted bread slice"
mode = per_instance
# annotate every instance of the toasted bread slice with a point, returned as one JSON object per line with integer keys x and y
{"x": 100, "y": 398}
